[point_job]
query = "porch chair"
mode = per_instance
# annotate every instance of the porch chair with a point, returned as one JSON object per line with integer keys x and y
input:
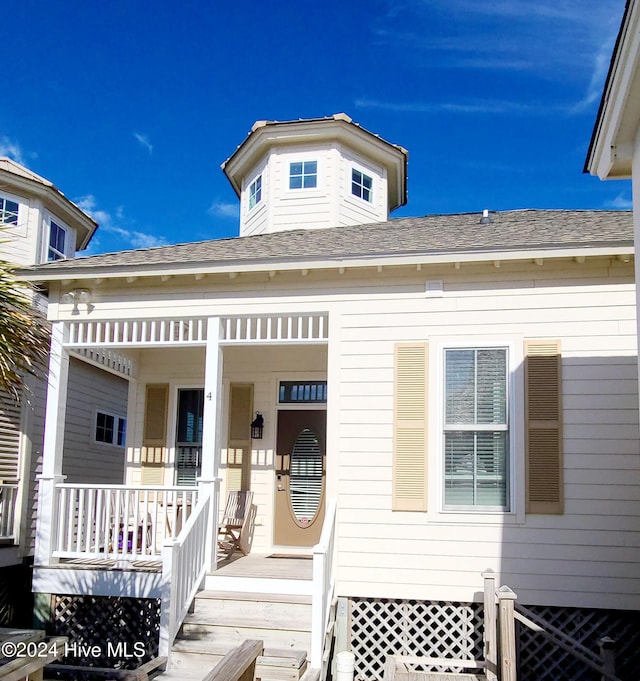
{"x": 236, "y": 521}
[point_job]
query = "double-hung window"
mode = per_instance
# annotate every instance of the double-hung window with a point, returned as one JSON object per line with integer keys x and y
{"x": 476, "y": 428}
{"x": 303, "y": 175}
{"x": 57, "y": 242}
{"x": 8, "y": 212}
{"x": 255, "y": 192}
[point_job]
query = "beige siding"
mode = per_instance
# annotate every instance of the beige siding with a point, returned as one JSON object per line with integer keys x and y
{"x": 587, "y": 556}
{"x": 91, "y": 389}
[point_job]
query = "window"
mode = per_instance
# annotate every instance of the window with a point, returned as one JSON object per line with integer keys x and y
{"x": 110, "y": 429}
{"x": 8, "y": 212}
{"x": 57, "y": 242}
{"x": 303, "y": 175}
{"x": 302, "y": 392}
{"x": 361, "y": 185}
{"x": 189, "y": 435}
{"x": 476, "y": 430}
{"x": 255, "y": 192}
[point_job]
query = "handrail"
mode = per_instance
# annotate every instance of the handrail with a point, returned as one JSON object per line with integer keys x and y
{"x": 238, "y": 664}
{"x": 562, "y": 640}
{"x": 184, "y": 566}
{"x": 323, "y": 584}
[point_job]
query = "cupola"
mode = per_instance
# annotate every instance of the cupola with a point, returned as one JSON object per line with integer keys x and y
{"x": 314, "y": 173}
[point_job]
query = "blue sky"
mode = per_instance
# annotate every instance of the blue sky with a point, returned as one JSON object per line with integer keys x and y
{"x": 130, "y": 107}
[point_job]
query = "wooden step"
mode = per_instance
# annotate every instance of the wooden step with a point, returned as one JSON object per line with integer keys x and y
{"x": 281, "y": 665}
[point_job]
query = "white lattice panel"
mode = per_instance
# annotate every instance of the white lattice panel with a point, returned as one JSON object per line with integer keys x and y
{"x": 392, "y": 627}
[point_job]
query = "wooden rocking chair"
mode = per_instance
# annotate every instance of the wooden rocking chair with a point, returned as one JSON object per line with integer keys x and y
{"x": 237, "y": 516}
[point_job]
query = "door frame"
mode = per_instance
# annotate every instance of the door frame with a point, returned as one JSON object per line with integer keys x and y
{"x": 292, "y": 406}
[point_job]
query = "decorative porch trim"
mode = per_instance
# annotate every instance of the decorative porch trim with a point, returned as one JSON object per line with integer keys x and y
{"x": 236, "y": 330}
{"x": 292, "y": 328}
{"x": 115, "y": 362}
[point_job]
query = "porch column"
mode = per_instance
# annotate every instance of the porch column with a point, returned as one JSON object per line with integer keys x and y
{"x": 210, "y": 476}
{"x": 55, "y": 412}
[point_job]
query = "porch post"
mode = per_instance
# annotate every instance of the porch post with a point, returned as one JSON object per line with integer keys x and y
{"x": 210, "y": 475}
{"x": 47, "y": 520}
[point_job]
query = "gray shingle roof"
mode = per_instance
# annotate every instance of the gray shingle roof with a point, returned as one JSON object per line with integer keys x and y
{"x": 432, "y": 234}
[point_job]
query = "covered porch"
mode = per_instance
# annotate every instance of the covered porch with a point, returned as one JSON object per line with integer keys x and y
{"x": 154, "y": 535}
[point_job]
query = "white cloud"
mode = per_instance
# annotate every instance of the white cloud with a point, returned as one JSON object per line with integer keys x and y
{"x": 117, "y": 225}
{"x": 144, "y": 141}
{"x": 621, "y": 202}
{"x": 12, "y": 150}
{"x": 223, "y": 209}
{"x": 470, "y": 107}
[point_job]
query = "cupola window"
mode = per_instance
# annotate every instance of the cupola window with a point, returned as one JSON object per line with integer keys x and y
{"x": 8, "y": 212}
{"x": 303, "y": 175}
{"x": 255, "y": 192}
{"x": 361, "y": 185}
{"x": 57, "y": 242}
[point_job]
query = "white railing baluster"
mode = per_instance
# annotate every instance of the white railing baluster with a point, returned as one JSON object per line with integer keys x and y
{"x": 279, "y": 331}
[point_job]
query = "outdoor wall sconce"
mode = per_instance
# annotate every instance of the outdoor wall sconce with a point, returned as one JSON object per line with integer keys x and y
{"x": 257, "y": 426}
{"x": 76, "y": 297}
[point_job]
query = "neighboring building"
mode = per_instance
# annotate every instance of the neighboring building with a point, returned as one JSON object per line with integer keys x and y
{"x": 461, "y": 385}
{"x": 39, "y": 224}
{"x": 614, "y": 151}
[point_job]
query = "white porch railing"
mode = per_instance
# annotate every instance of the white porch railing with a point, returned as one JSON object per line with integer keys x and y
{"x": 184, "y": 566}
{"x": 323, "y": 585}
{"x": 8, "y": 496}
{"x": 119, "y": 522}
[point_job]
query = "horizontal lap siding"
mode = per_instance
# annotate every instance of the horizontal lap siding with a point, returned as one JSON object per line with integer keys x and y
{"x": 91, "y": 389}
{"x": 586, "y": 557}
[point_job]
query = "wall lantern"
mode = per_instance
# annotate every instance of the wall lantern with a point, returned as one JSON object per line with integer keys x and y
{"x": 257, "y": 426}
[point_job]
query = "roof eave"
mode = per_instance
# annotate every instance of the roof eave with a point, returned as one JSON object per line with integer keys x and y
{"x": 41, "y": 276}
{"x": 610, "y": 149}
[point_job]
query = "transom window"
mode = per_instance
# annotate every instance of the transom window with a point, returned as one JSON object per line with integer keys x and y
{"x": 255, "y": 192}
{"x": 57, "y": 242}
{"x": 361, "y": 185}
{"x": 303, "y": 175}
{"x": 476, "y": 429}
{"x": 110, "y": 429}
{"x": 302, "y": 392}
{"x": 8, "y": 212}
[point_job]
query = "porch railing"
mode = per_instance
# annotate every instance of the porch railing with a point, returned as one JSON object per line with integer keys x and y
{"x": 184, "y": 566}
{"x": 8, "y": 497}
{"x": 118, "y": 521}
{"x": 323, "y": 586}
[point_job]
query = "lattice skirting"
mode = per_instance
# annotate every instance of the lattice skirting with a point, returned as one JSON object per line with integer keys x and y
{"x": 539, "y": 661}
{"x": 124, "y": 630}
{"x": 380, "y": 627}
{"x": 16, "y": 599}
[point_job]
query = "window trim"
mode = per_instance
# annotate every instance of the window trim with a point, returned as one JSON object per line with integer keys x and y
{"x": 4, "y": 196}
{"x": 252, "y": 201}
{"x": 62, "y": 255}
{"x": 515, "y": 419}
{"x": 303, "y": 175}
{"x": 363, "y": 174}
{"x": 118, "y": 419}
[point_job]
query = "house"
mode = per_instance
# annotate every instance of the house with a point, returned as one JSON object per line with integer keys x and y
{"x": 437, "y": 396}
{"x": 39, "y": 224}
{"x": 614, "y": 151}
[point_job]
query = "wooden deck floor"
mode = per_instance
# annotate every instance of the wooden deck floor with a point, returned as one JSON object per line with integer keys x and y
{"x": 267, "y": 567}
{"x": 254, "y": 565}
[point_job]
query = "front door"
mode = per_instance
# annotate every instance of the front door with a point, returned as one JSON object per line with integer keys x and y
{"x": 300, "y": 477}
